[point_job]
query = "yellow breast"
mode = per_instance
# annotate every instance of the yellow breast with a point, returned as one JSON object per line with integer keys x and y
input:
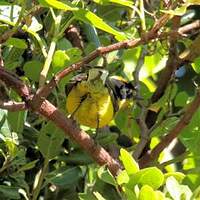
{"x": 88, "y": 108}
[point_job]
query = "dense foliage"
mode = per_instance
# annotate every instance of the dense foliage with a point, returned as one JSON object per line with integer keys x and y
{"x": 155, "y": 47}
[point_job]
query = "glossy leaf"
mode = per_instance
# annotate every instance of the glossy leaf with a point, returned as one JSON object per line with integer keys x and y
{"x": 147, "y": 193}
{"x": 151, "y": 176}
{"x": 106, "y": 176}
{"x": 90, "y": 18}
{"x": 129, "y": 163}
{"x": 57, "y": 4}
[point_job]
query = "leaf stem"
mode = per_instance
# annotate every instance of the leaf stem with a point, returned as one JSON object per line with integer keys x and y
{"x": 52, "y": 48}
{"x": 42, "y": 174}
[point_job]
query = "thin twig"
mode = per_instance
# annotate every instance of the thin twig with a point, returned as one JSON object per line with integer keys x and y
{"x": 141, "y": 119}
{"x": 12, "y": 106}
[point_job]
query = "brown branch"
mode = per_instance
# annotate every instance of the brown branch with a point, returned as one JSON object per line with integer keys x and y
{"x": 184, "y": 121}
{"x": 44, "y": 91}
{"x": 12, "y": 106}
{"x": 50, "y": 112}
{"x": 98, "y": 153}
{"x": 11, "y": 80}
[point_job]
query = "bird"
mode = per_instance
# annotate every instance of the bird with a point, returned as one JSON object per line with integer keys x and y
{"x": 93, "y": 98}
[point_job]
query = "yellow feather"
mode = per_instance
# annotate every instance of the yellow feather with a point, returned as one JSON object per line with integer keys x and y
{"x": 96, "y": 107}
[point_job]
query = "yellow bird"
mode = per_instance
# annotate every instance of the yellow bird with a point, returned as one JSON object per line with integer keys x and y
{"x": 93, "y": 98}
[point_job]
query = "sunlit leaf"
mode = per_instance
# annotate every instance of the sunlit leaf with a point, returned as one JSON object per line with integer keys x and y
{"x": 128, "y": 161}
{"x": 57, "y": 4}
{"x": 90, "y": 18}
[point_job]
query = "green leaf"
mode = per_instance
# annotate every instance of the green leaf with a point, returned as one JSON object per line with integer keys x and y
{"x": 128, "y": 161}
{"x": 16, "y": 120}
{"x": 67, "y": 177}
{"x": 50, "y": 140}
{"x": 120, "y": 2}
{"x": 57, "y": 4}
{"x": 60, "y": 59}
{"x": 147, "y": 193}
{"x": 90, "y": 18}
{"x": 196, "y": 65}
{"x": 122, "y": 177}
{"x": 63, "y": 44}
{"x": 4, "y": 126}
{"x": 151, "y": 176}
{"x": 16, "y": 42}
{"x": 165, "y": 126}
{"x": 28, "y": 166}
{"x": 106, "y": 176}
{"x": 11, "y": 147}
{"x": 196, "y": 194}
{"x": 130, "y": 194}
{"x": 32, "y": 69}
{"x": 181, "y": 99}
{"x": 192, "y": 140}
{"x": 77, "y": 157}
{"x": 177, "y": 175}
{"x": 74, "y": 54}
{"x": 9, "y": 192}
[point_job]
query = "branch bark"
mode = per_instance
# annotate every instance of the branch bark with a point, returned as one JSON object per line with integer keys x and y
{"x": 50, "y": 112}
{"x": 184, "y": 121}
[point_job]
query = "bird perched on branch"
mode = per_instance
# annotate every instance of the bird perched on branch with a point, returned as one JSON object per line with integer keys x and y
{"x": 94, "y": 97}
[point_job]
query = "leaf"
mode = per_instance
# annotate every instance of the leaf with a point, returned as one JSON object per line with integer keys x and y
{"x": 4, "y": 126}
{"x": 122, "y": 177}
{"x": 120, "y": 2}
{"x": 128, "y": 161}
{"x": 190, "y": 136}
{"x": 181, "y": 99}
{"x": 63, "y": 44}
{"x": 196, "y": 65}
{"x": 90, "y": 18}
{"x": 59, "y": 59}
{"x": 16, "y": 121}
{"x": 151, "y": 176}
{"x": 57, "y": 4}
{"x": 9, "y": 192}
{"x": 67, "y": 177}
{"x": 177, "y": 175}
{"x": 78, "y": 157}
{"x": 11, "y": 147}
{"x": 106, "y": 176}
{"x": 130, "y": 194}
{"x": 28, "y": 166}
{"x": 147, "y": 193}
{"x": 165, "y": 127}
{"x": 50, "y": 140}
{"x": 16, "y": 42}
{"x": 32, "y": 69}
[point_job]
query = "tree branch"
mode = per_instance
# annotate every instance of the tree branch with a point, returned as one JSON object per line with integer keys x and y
{"x": 50, "y": 112}
{"x": 12, "y": 106}
{"x": 184, "y": 121}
